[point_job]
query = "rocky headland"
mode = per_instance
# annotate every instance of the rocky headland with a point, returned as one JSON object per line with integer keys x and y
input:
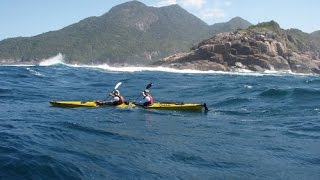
{"x": 259, "y": 48}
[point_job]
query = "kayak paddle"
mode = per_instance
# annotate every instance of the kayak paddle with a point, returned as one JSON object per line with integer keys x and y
{"x": 115, "y": 88}
{"x": 149, "y": 85}
{"x": 117, "y": 85}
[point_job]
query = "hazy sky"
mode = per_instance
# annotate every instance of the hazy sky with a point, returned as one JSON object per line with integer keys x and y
{"x": 32, "y": 17}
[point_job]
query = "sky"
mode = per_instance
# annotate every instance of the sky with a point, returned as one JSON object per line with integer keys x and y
{"x": 32, "y": 17}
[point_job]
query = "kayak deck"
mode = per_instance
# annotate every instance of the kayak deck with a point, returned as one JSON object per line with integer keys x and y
{"x": 157, "y": 105}
{"x": 176, "y": 106}
{"x": 73, "y": 104}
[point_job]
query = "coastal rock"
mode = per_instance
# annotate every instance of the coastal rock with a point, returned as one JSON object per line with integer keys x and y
{"x": 248, "y": 50}
{"x": 302, "y": 64}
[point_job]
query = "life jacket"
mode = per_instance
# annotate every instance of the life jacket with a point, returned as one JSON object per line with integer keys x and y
{"x": 150, "y": 102}
{"x": 121, "y": 101}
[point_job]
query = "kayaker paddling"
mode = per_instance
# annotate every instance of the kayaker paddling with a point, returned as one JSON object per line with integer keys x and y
{"x": 117, "y": 99}
{"x": 147, "y": 99}
{"x": 146, "y": 102}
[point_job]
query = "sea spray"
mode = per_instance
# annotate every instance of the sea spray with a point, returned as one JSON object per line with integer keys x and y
{"x": 58, "y": 59}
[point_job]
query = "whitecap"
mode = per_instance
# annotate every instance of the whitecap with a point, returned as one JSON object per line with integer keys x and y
{"x": 243, "y": 72}
{"x": 248, "y": 86}
{"x": 58, "y": 59}
{"x": 34, "y": 72}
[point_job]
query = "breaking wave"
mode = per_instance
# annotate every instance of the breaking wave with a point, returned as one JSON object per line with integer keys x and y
{"x": 58, "y": 59}
{"x": 189, "y": 71}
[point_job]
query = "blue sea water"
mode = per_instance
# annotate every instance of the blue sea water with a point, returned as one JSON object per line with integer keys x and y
{"x": 259, "y": 126}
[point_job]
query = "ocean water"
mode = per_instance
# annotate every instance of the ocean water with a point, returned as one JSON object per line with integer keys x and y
{"x": 260, "y": 126}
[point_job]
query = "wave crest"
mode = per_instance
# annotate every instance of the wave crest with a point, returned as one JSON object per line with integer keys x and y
{"x": 58, "y": 59}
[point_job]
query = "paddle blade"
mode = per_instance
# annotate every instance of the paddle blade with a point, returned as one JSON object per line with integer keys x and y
{"x": 117, "y": 85}
{"x": 149, "y": 85}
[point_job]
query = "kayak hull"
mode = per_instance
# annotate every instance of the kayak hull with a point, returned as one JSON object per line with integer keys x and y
{"x": 176, "y": 106}
{"x": 73, "y": 104}
{"x": 158, "y": 105}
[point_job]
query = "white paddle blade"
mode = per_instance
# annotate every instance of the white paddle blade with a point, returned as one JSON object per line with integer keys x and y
{"x": 117, "y": 85}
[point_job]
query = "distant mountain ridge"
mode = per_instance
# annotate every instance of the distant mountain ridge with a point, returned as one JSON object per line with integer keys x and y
{"x": 234, "y": 24}
{"x": 130, "y": 33}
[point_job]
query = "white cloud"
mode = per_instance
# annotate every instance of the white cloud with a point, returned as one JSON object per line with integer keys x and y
{"x": 185, "y": 3}
{"x": 205, "y": 9}
{"x": 213, "y": 13}
{"x": 166, "y": 3}
{"x": 193, "y": 3}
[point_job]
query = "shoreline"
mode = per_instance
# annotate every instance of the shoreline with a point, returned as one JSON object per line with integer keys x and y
{"x": 124, "y": 68}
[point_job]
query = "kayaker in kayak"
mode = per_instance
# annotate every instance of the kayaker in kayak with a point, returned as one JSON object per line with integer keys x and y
{"x": 117, "y": 99}
{"x": 147, "y": 99}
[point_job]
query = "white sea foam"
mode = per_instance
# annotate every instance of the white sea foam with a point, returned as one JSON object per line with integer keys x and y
{"x": 248, "y": 86}
{"x": 34, "y": 72}
{"x": 58, "y": 59}
{"x": 142, "y": 68}
{"x": 243, "y": 72}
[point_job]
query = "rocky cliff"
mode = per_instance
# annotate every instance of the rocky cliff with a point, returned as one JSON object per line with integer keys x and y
{"x": 259, "y": 48}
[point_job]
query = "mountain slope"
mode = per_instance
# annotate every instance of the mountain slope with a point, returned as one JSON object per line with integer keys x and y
{"x": 130, "y": 33}
{"x": 233, "y": 24}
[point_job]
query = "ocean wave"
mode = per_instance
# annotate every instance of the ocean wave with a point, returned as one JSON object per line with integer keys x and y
{"x": 232, "y": 101}
{"x": 306, "y": 92}
{"x": 312, "y": 129}
{"x": 94, "y": 131}
{"x": 6, "y": 93}
{"x": 313, "y": 81}
{"x": 186, "y": 158}
{"x": 58, "y": 59}
{"x": 34, "y": 72}
{"x": 16, "y": 164}
{"x": 274, "y": 93}
{"x": 5, "y": 90}
{"x": 186, "y": 71}
{"x": 241, "y": 112}
{"x": 296, "y": 93}
{"x": 301, "y": 134}
{"x": 144, "y": 68}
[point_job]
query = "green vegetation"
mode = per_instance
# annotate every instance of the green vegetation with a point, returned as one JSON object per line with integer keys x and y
{"x": 316, "y": 38}
{"x": 299, "y": 41}
{"x": 234, "y": 24}
{"x": 129, "y": 33}
{"x": 271, "y": 26}
{"x": 294, "y": 39}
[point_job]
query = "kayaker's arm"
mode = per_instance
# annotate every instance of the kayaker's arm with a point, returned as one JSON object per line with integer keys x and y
{"x": 115, "y": 99}
{"x": 111, "y": 102}
{"x": 143, "y": 101}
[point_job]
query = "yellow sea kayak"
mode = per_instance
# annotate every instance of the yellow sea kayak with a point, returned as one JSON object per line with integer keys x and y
{"x": 157, "y": 105}
{"x": 73, "y": 104}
